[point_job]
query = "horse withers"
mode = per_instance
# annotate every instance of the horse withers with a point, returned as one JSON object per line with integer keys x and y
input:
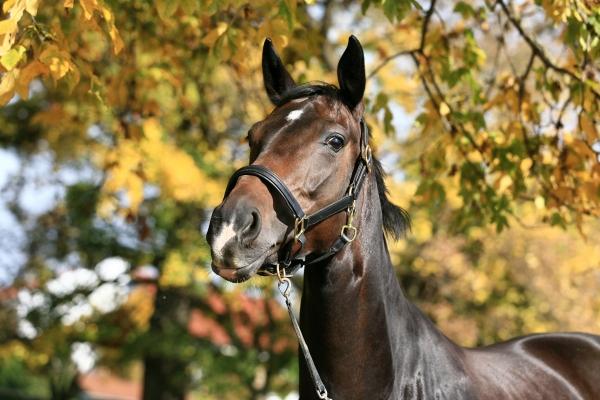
{"x": 313, "y": 196}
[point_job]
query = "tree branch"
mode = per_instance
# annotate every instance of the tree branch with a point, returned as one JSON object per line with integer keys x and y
{"x": 425, "y": 27}
{"x": 386, "y": 60}
{"x": 537, "y": 50}
{"x": 424, "y": 30}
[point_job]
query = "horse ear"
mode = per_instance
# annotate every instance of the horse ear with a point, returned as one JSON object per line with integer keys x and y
{"x": 351, "y": 73}
{"x": 277, "y": 80}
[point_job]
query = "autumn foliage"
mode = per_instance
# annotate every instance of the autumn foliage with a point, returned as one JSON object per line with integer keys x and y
{"x": 485, "y": 114}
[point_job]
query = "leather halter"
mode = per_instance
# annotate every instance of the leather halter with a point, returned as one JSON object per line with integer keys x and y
{"x": 291, "y": 261}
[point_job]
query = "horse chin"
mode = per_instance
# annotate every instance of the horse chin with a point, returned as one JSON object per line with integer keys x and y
{"x": 240, "y": 274}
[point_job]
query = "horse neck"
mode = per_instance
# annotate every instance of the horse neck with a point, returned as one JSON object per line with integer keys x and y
{"x": 356, "y": 319}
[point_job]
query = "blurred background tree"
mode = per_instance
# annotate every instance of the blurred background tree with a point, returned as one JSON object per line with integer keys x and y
{"x": 121, "y": 121}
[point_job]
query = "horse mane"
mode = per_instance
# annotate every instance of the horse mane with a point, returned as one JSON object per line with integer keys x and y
{"x": 308, "y": 90}
{"x": 396, "y": 220}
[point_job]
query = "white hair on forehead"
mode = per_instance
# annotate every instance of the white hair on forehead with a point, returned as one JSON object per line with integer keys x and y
{"x": 294, "y": 115}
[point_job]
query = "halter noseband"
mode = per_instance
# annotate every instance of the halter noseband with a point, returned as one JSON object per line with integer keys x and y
{"x": 302, "y": 221}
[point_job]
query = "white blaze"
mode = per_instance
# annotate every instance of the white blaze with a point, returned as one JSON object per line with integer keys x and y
{"x": 221, "y": 240}
{"x": 294, "y": 115}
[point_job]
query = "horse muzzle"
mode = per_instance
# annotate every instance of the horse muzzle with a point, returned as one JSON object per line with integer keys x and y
{"x": 240, "y": 237}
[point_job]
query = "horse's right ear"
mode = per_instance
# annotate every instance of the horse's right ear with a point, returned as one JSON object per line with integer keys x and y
{"x": 277, "y": 80}
{"x": 351, "y": 73}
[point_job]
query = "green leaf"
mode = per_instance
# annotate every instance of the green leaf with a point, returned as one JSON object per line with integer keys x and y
{"x": 286, "y": 13}
{"x": 12, "y": 57}
{"x": 364, "y": 7}
{"x": 396, "y": 9}
{"x": 166, "y": 8}
{"x": 557, "y": 220}
{"x": 387, "y": 121}
{"x": 464, "y": 9}
{"x": 189, "y": 6}
{"x": 380, "y": 102}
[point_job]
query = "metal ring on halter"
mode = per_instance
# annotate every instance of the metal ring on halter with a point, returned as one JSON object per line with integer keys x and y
{"x": 349, "y": 233}
{"x": 323, "y": 395}
{"x": 284, "y": 285}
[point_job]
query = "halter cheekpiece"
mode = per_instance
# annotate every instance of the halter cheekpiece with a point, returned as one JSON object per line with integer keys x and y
{"x": 290, "y": 260}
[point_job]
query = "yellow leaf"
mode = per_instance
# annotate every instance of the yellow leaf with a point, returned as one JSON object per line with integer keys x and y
{"x": 88, "y": 7}
{"x": 152, "y": 129}
{"x": 444, "y": 109}
{"x": 8, "y": 5}
{"x": 12, "y": 57}
{"x": 539, "y": 202}
{"x": 8, "y": 26}
{"x": 214, "y": 35}
{"x": 588, "y": 127}
{"x": 504, "y": 184}
{"x": 57, "y": 60}
{"x": 7, "y": 86}
{"x": 526, "y": 166}
{"x": 112, "y": 30}
{"x": 30, "y": 72}
{"x": 68, "y": 4}
{"x": 31, "y": 6}
{"x": 135, "y": 192}
{"x": 422, "y": 228}
{"x": 475, "y": 156}
{"x": 176, "y": 271}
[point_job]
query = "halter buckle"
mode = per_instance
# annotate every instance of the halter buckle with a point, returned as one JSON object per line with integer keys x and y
{"x": 299, "y": 228}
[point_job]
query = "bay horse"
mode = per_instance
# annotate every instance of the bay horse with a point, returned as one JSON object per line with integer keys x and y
{"x": 367, "y": 339}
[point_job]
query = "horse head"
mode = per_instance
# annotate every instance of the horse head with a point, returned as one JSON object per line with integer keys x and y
{"x": 310, "y": 143}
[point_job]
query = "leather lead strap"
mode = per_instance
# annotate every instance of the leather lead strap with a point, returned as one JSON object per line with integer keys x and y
{"x": 316, "y": 378}
{"x": 285, "y": 287}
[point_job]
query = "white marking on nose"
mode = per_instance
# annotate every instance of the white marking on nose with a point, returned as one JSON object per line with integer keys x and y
{"x": 294, "y": 115}
{"x": 226, "y": 234}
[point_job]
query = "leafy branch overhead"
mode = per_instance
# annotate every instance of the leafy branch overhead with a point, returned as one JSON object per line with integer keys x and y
{"x": 521, "y": 119}
{"x": 485, "y": 114}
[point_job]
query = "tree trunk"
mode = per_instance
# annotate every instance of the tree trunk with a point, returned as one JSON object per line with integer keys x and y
{"x": 166, "y": 374}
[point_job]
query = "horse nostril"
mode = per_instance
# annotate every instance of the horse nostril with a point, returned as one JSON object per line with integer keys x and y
{"x": 252, "y": 226}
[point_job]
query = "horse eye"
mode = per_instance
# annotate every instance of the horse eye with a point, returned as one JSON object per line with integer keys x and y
{"x": 336, "y": 142}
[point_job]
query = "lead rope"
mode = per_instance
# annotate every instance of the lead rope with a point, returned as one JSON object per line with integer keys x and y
{"x": 285, "y": 288}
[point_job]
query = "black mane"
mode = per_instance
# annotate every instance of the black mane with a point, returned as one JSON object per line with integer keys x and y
{"x": 395, "y": 219}
{"x": 308, "y": 90}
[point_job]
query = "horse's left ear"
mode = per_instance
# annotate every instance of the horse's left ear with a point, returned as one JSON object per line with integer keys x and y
{"x": 351, "y": 73}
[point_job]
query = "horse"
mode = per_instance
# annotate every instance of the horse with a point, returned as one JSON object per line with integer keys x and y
{"x": 368, "y": 340}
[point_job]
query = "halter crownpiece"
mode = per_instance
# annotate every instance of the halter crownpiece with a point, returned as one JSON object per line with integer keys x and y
{"x": 302, "y": 222}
